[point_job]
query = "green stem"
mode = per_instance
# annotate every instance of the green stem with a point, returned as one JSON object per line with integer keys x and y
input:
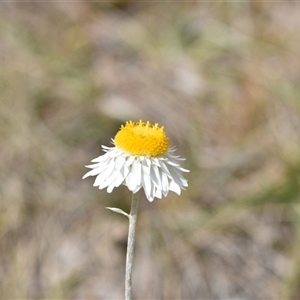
{"x": 130, "y": 246}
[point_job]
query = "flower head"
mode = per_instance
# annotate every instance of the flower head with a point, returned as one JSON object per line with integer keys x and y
{"x": 141, "y": 158}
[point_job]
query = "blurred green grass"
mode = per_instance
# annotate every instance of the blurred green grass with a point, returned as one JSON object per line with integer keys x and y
{"x": 222, "y": 77}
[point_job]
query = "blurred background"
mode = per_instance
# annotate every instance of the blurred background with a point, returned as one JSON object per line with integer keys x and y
{"x": 222, "y": 77}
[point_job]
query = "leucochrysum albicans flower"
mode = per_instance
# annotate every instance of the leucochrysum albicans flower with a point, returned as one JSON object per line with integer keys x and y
{"x": 141, "y": 158}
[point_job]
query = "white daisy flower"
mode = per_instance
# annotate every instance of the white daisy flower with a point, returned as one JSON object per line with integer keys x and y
{"x": 141, "y": 158}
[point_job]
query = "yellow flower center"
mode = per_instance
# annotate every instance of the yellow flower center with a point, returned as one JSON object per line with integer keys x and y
{"x": 142, "y": 138}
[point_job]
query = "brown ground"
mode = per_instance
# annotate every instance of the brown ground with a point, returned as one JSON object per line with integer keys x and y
{"x": 222, "y": 77}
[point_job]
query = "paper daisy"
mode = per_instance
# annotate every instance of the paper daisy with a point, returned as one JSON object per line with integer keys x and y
{"x": 141, "y": 158}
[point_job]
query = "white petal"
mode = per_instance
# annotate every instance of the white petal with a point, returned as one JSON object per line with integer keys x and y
{"x": 175, "y": 187}
{"x": 150, "y": 198}
{"x": 108, "y": 148}
{"x": 119, "y": 162}
{"x": 155, "y": 176}
{"x": 153, "y": 190}
{"x": 156, "y": 161}
{"x": 176, "y": 157}
{"x": 164, "y": 168}
{"x": 137, "y": 171}
{"x": 172, "y": 149}
{"x": 130, "y": 159}
{"x": 109, "y": 180}
{"x": 93, "y": 166}
{"x": 146, "y": 182}
{"x": 158, "y": 194}
{"x": 184, "y": 182}
{"x": 176, "y": 176}
{"x": 182, "y": 169}
{"x": 146, "y": 163}
{"x": 137, "y": 189}
{"x": 110, "y": 188}
{"x": 151, "y": 194}
{"x": 101, "y": 158}
{"x": 172, "y": 163}
{"x": 164, "y": 184}
{"x": 105, "y": 174}
{"x": 91, "y": 173}
{"x": 103, "y": 166}
{"x": 130, "y": 181}
{"x": 119, "y": 180}
{"x": 100, "y": 179}
{"x": 114, "y": 153}
{"x": 124, "y": 171}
